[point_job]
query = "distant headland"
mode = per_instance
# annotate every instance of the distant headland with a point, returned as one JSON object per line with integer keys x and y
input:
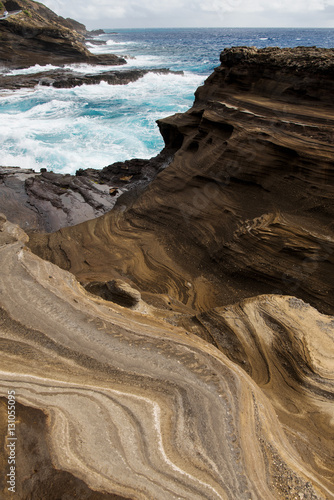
{"x": 34, "y": 34}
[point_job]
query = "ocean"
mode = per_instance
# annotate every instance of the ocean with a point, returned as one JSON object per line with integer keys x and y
{"x": 95, "y": 125}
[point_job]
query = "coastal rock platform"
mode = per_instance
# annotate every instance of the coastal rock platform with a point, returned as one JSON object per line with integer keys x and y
{"x": 181, "y": 345}
{"x": 69, "y": 78}
{"x": 45, "y": 201}
{"x": 142, "y": 408}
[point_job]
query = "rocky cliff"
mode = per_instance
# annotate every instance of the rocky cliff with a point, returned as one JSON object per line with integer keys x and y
{"x": 36, "y": 35}
{"x": 176, "y": 346}
{"x": 246, "y": 206}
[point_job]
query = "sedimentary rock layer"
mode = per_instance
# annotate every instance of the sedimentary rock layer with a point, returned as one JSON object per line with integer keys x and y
{"x": 246, "y": 206}
{"x": 160, "y": 339}
{"x": 138, "y": 407}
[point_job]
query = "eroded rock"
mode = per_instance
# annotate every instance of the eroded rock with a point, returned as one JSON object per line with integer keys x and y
{"x": 247, "y": 151}
{"x": 141, "y": 408}
{"x": 65, "y": 78}
{"x": 116, "y": 291}
{"x": 222, "y": 387}
{"x": 36, "y": 35}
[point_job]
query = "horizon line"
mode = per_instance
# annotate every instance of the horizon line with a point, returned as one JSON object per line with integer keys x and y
{"x": 219, "y": 27}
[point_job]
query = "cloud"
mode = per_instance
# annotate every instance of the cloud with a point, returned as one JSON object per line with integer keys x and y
{"x": 283, "y": 6}
{"x": 183, "y": 13}
{"x": 115, "y": 11}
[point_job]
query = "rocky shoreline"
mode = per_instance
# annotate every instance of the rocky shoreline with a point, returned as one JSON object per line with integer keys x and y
{"x": 46, "y": 201}
{"x": 168, "y": 316}
{"x": 66, "y": 78}
{"x": 36, "y": 35}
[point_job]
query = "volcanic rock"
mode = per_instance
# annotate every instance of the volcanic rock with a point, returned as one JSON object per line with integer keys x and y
{"x": 36, "y": 35}
{"x": 246, "y": 206}
{"x": 68, "y": 78}
{"x": 45, "y": 201}
{"x": 94, "y": 33}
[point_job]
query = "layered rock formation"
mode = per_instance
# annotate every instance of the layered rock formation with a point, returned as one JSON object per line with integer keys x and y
{"x": 246, "y": 206}
{"x": 167, "y": 341}
{"x": 139, "y": 407}
{"x": 36, "y": 35}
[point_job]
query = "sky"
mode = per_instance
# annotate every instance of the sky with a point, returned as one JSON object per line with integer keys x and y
{"x": 117, "y": 14}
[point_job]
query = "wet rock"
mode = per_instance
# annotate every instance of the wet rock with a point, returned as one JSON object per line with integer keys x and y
{"x": 69, "y": 78}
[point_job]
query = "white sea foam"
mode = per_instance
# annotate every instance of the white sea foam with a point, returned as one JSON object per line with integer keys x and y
{"x": 111, "y": 47}
{"x": 85, "y": 68}
{"x": 90, "y": 125}
{"x": 114, "y": 42}
{"x": 32, "y": 70}
{"x": 143, "y": 61}
{"x": 106, "y": 47}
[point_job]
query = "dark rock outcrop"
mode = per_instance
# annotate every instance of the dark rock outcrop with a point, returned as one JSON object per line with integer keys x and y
{"x": 36, "y": 35}
{"x": 45, "y": 201}
{"x": 94, "y": 33}
{"x": 75, "y": 25}
{"x": 65, "y": 78}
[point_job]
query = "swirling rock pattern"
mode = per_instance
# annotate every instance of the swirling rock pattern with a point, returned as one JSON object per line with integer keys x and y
{"x": 141, "y": 408}
{"x": 289, "y": 354}
{"x": 156, "y": 338}
{"x": 246, "y": 205}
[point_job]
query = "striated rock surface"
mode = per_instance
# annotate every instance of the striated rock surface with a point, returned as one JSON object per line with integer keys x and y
{"x": 140, "y": 408}
{"x": 245, "y": 207}
{"x": 47, "y": 201}
{"x": 289, "y": 353}
{"x": 36, "y": 35}
{"x": 177, "y": 344}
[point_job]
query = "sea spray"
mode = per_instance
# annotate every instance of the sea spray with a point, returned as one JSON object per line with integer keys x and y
{"x": 93, "y": 126}
{"x": 90, "y": 126}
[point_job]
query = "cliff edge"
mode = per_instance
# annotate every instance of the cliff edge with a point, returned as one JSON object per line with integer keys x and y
{"x": 36, "y": 35}
{"x": 246, "y": 205}
{"x": 172, "y": 343}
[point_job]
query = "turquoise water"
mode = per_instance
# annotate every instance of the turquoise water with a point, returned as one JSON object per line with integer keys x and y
{"x": 93, "y": 126}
